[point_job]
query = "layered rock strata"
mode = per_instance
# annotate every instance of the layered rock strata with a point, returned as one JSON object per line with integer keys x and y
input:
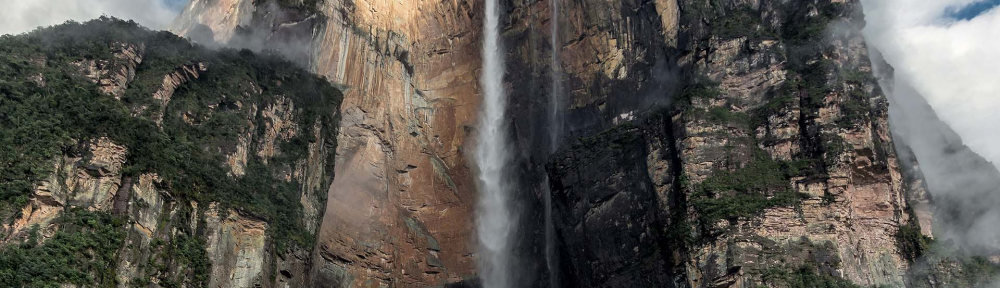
{"x": 707, "y": 144}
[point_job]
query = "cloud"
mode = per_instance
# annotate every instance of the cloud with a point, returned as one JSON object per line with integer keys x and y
{"x": 953, "y": 63}
{"x": 176, "y": 4}
{"x": 19, "y": 16}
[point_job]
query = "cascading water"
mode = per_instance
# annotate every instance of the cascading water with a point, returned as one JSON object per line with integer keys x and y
{"x": 555, "y": 129}
{"x": 555, "y": 103}
{"x": 550, "y": 237}
{"x": 494, "y": 218}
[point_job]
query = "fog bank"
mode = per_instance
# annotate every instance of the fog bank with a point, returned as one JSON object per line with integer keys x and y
{"x": 943, "y": 105}
{"x": 950, "y": 61}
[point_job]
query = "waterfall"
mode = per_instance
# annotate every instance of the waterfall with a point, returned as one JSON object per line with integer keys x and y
{"x": 494, "y": 218}
{"x": 555, "y": 129}
{"x": 550, "y": 237}
{"x": 555, "y": 103}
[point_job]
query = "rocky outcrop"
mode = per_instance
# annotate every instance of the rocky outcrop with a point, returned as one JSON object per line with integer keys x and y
{"x": 145, "y": 204}
{"x": 171, "y": 82}
{"x": 194, "y": 178}
{"x": 112, "y": 75}
{"x": 236, "y": 248}
{"x": 278, "y": 125}
{"x": 127, "y": 58}
{"x": 219, "y": 18}
{"x": 89, "y": 179}
{"x": 311, "y": 173}
{"x": 238, "y": 159}
{"x": 918, "y": 196}
{"x": 96, "y": 183}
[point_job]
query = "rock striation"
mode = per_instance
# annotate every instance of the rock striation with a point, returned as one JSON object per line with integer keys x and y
{"x": 723, "y": 143}
{"x": 398, "y": 214}
{"x": 145, "y": 159}
{"x": 711, "y": 89}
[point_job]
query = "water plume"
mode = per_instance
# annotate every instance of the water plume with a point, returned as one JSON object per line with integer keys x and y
{"x": 555, "y": 131}
{"x": 494, "y": 219}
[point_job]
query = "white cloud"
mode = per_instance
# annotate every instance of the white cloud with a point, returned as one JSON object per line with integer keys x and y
{"x": 953, "y": 64}
{"x": 18, "y": 16}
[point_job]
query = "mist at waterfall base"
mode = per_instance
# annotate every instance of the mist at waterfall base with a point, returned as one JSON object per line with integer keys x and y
{"x": 494, "y": 219}
{"x": 945, "y": 69}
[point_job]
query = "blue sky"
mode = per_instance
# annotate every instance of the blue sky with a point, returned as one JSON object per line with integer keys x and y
{"x": 969, "y": 11}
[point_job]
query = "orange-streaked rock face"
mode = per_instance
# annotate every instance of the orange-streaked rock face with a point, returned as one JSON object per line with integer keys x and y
{"x": 399, "y": 209}
{"x": 222, "y": 16}
{"x": 89, "y": 183}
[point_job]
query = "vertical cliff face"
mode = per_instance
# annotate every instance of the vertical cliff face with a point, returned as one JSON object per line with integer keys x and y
{"x": 830, "y": 122}
{"x": 774, "y": 164}
{"x": 399, "y": 211}
{"x": 410, "y": 69}
{"x": 722, "y": 143}
{"x": 718, "y": 143}
{"x": 607, "y": 211}
{"x": 617, "y": 59}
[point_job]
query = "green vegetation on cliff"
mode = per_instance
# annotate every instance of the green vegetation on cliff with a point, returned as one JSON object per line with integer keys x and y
{"x": 942, "y": 263}
{"x": 913, "y": 243}
{"x": 741, "y": 23}
{"x": 855, "y": 106}
{"x": 727, "y": 23}
{"x": 744, "y": 192}
{"x": 82, "y": 252}
{"x": 805, "y": 276}
{"x": 952, "y": 269}
{"x": 48, "y": 105}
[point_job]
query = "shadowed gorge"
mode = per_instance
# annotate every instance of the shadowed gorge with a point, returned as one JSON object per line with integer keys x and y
{"x": 496, "y": 143}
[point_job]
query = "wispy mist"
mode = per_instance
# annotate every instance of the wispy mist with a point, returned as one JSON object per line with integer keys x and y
{"x": 944, "y": 105}
{"x": 951, "y": 62}
{"x": 19, "y": 16}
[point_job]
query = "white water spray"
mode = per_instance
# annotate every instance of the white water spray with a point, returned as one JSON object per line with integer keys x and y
{"x": 555, "y": 129}
{"x": 494, "y": 219}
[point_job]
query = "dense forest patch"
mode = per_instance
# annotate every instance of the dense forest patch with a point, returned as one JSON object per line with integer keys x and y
{"x": 48, "y": 105}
